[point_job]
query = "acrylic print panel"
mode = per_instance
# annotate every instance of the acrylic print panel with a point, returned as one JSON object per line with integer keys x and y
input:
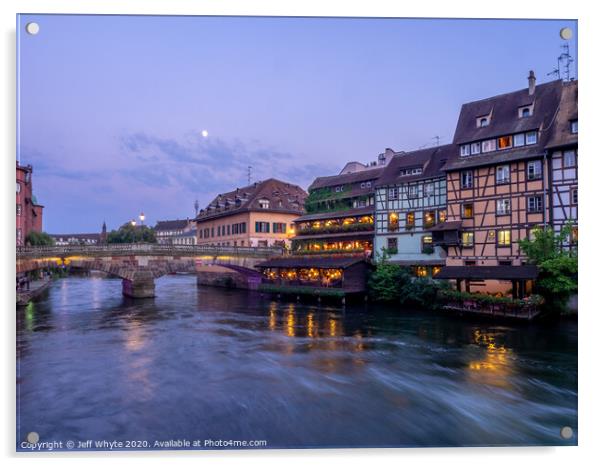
{"x": 258, "y": 233}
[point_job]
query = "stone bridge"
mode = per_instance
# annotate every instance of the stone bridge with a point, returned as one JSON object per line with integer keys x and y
{"x": 139, "y": 264}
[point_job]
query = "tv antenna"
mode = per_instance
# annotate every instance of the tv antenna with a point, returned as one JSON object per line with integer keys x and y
{"x": 437, "y": 139}
{"x": 565, "y": 59}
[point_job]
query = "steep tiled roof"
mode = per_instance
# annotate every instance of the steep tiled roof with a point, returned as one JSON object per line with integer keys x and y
{"x": 431, "y": 161}
{"x": 282, "y": 197}
{"x": 504, "y": 113}
{"x": 561, "y": 131}
{"x": 163, "y": 225}
{"x": 348, "y": 178}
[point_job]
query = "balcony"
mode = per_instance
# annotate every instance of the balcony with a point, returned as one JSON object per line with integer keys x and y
{"x": 332, "y": 228}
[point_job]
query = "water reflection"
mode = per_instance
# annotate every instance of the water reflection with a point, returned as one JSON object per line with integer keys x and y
{"x": 214, "y": 363}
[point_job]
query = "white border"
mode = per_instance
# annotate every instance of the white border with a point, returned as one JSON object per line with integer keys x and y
{"x": 590, "y": 168}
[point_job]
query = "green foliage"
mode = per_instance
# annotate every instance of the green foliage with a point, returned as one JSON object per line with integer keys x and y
{"x": 35, "y": 238}
{"x": 558, "y": 266}
{"x": 486, "y": 299}
{"x": 420, "y": 292}
{"x": 302, "y": 290}
{"x": 384, "y": 283}
{"x": 326, "y": 199}
{"x": 129, "y": 233}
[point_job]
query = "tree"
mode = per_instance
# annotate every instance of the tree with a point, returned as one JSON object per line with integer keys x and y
{"x": 35, "y": 238}
{"x": 558, "y": 278}
{"x": 128, "y": 233}
{"x": 384, "y": 282}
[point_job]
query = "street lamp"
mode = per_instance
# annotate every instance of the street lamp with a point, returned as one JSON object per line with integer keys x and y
{"x": 133, "y": 222}
{"x": 142, "y": 217}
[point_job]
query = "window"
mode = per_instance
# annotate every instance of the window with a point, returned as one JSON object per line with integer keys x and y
{"x": 519, "y": 140}
{"x": 429, "y": 218}
{"x": 368, "y": 184}
{"x": 264, "y": 204}
{"x": 504, "y": 262}
{"x": 427, "y": 244}
{"x": 337, "y": 189}
{"x": 470, "y": 263}
{"x": 412, "y": 192}
{"x": 574, "y": 127}
{"x": 574, "y": 195}
{"x": 465, "y": 149}
{"x": 482, "y": 122}
{"x": 393, "y": 194}
{"x": 18, "y": 187}
{"x": 467, "y": 211}
{"x": 442, "y": 216}
{"x": 429, "y": 189}
{"x": 262, "y": 227}
{"x": 502, "y": 174}
{"x": 505, "y": 142}
{"x": 363, "y": 185}
{"x": 467, "y": 239}
{"x": 393, "y": 221}
{"x": 532, "y": 137}
{"x": 503, "y": 207}
{"x": 410, "y": 171}
{"x": 466, "y": 179}
{"x": 392, "y": 245}
{"x": 574, "y": 234}
{"x": 524, "y": 112}
{"x": 488, "y": 146}
{"x": 19, "y": 209}
{"x": 212, "y": 232}
{"x": 534, "y": 170}
{"x": 475, "y": 148}
{"x": 410, "y": 220}
{"x": 570, "y": 160}
{"x": 534, "y": 204}
{"x": 504, "y": 237}
{"x": 279, "y": 227}
{"x": 228, "y": 233}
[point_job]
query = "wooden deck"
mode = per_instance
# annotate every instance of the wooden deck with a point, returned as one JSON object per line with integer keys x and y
{"x": 36, "y": 288}
{"x": 495, "y": 311}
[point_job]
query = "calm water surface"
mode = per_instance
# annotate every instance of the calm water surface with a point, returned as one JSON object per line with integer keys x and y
{"x": 202, "y": 363}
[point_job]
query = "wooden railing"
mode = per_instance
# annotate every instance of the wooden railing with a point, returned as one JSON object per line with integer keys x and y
{"x": 146, "y": 249}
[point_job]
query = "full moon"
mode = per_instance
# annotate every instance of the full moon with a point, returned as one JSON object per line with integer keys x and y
{"x": 204, "y": 133}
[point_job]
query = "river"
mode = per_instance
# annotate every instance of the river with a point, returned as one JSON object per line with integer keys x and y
{"x": 215, "y": 364}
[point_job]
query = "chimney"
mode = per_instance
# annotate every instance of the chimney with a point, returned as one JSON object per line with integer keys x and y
{"x": 531, "y": 82}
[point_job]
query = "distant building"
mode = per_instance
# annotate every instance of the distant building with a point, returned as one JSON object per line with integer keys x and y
{"x": 186, "y": 238}
{"x": 82, "y": 239}
{"x": 29, "y": 212}
{"x": 167, "y": 230}
{"x": 261, "y": 214}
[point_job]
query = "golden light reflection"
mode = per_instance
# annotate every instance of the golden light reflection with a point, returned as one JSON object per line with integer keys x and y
{"x": 311, "y": 326}
{"x": 272, "y": 319}
{"x": 496, "y": 367}
{"x": 290, "y": 322}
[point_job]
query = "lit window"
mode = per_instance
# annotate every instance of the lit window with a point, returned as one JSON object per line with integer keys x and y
{"x": 442, "y": 216}
{"x": 519, "y": 140}
{"x": 574, "y": 195}
{"x": 534, "y": 170}
{"x": 570, "y": 159}
{"x": 393, "y": 221}
{"x": 574, "y": 234}
{"x": 504, "y": 237}
{"x": 467, "y": 239}
{"x": 466, "y": 179}
{"x": 475, "y": 148}
{"x": 410, "y": 219}
{"x": 427, "y": 244}
{"x": 488, "y": 146}
{"x": 465, "y": 149}
{"x": 429, "y": 218}
{"x": 503, "y": 206}
{"x": 574, "y": 128}
{"x": 502, "y": 174}
{"x": 467, "y": 211}
{"x": 534, "y": 204}
{"x": 532, "y": 137}
{"x": 505, "y": 142}
{"x": 421, "y": 271}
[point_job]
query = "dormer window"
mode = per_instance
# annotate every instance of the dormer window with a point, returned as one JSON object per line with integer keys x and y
{"x": 531, "y": 137}
{"x": 482, "y": 121}
{"x": 264, "y": 204}
{"x": 475, "y": 148}
{"x": 465, "y": 150}
{"x": 488, "y": 146}
{"x": 505, "y": 142}
{"x": 526, "y": 111}
{"x": 339, "y": 189}
{"x": 574, "y": 127}
{"x": 411, "y": 171}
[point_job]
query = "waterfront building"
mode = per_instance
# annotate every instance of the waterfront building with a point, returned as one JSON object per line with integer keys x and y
{"x": 186, "y": 238}
{"x": 167, "y": 230}
{"x": 410, "y": 201}
{"x": 258, "y": 215}
{"x": 29, "y": 211}
{"x": 340, "y": 211}
{"x": 562, "y": 151}
{"x": 497, "y": 188}
{"x": 81, "y": 239}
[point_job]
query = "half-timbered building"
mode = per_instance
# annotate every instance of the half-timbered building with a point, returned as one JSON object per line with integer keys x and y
{"x": 410, "y": 200}
{"x": 562, "y": 151}
{"x": 497, "y": 188}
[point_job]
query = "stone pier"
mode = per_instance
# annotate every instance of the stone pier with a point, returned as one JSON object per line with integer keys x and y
{"x": 141, "y": 285}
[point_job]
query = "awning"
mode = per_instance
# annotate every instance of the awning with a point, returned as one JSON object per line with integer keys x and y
{"x": 447, "y": 226}
{"x": 495, "y": 272}
{"x": 311, "y": 262}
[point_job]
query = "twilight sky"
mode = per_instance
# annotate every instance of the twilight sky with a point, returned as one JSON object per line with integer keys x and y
{"x": 112, "y": 107}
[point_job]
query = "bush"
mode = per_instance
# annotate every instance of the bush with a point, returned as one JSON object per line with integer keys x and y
{"x": 35, "y": 238}
{"x": 129, "y": 233}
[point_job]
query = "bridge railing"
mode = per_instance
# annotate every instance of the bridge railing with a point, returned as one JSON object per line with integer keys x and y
{"x": 148, "y": 249}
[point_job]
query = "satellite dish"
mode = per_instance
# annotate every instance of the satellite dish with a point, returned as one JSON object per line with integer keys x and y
{"x": 566, "y": 33}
